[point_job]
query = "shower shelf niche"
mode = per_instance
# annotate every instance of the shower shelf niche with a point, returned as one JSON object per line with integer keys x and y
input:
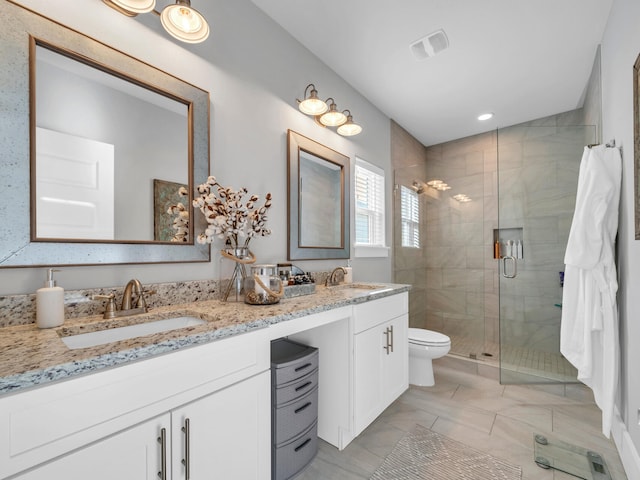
{"x": 501, "y": 239}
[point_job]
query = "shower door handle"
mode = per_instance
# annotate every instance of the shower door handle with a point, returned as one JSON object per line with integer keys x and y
{"x": 504, "y": 266}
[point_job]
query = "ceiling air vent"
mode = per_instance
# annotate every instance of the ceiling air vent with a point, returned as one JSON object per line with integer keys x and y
{"x": 430, "y": 45}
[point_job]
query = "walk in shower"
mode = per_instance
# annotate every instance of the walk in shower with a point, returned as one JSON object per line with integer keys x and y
{"x": 481, "y": 230}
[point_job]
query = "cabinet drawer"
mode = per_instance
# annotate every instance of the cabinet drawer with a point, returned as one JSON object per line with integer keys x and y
{"x": 375, "y": 312}
{"x": 295, "y": 389}
{"x": 294, "y": 370}
{"x": 292, "y": 457}
{"x": 295, "y": 417}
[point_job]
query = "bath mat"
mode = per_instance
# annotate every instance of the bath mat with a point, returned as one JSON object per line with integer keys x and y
{"x": 425, "y": 454}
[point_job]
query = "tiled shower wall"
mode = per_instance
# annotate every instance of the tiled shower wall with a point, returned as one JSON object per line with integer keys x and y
{"x": 456, "y": 282}
{"x": 462, "y": 290}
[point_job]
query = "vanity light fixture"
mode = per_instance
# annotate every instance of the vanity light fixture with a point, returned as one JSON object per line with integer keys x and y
{"x": 349, "y": 128}
{"x": 184, "y": 22}
{"x": 180, "y": 20}
{"x": 326, "y": 113}
{"x": 334, "y": 117}
{"x": 312, "y": 105}
{"x": 131, "y": 8}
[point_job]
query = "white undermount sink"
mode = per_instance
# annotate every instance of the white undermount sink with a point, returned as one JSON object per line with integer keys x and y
{"x": 366, "y": 288}
{"x": 100, "y": 337}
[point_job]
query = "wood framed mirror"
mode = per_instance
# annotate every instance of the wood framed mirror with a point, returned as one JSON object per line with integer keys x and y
{"x": 318, "y": 200}
{"x": 60, "y": 86}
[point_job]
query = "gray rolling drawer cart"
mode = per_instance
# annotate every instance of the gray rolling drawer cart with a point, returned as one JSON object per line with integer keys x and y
{"x": 294, "y": 407}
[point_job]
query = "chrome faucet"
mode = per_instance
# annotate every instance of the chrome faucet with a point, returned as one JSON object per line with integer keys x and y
{"x": 331, "y": 280}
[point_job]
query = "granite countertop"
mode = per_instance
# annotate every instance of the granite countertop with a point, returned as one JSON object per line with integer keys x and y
{"x": 30, "y": 356}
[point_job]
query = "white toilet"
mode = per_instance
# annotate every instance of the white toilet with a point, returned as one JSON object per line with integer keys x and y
{"x": 424, "y": 346}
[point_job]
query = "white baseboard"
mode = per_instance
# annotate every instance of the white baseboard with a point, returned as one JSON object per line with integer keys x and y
{"x": 626, "y": 449}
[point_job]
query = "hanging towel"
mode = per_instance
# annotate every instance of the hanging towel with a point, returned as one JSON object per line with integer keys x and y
{"x": 589, "y": 326}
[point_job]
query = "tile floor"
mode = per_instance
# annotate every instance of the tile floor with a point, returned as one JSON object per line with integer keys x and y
{"x": 479, "y": 412}
{"x": 528, "y": 361}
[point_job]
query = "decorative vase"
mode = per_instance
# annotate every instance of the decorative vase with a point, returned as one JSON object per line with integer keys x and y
{"x": 233, "y": 271}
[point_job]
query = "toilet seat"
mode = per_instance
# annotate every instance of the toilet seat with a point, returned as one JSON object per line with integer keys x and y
{"x": 420, "y": 336}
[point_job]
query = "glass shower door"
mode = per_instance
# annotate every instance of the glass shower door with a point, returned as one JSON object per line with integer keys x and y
{"x": 537, "y": 181}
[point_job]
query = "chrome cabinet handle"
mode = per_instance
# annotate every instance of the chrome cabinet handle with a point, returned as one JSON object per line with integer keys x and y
{"x": 504, "y": 267}
{"x": 186, "y": 461}
{"x": 389, "y": 334}
{"x": 386, "y": 334}
{"x": 162, "y": 440}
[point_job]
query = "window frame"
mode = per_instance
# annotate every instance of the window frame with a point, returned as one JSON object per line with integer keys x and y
{"x": 413, "y": 223}
{"x": 378, "y": 247}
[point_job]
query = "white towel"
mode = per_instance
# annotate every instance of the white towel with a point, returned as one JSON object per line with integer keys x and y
{"x": 589, "y": 328}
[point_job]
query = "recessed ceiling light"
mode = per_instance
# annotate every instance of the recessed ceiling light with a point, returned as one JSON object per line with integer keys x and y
{"x": 485, "y": 116}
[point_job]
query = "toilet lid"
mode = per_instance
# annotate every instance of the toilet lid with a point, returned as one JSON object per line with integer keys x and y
{"x": 427, "y": 337}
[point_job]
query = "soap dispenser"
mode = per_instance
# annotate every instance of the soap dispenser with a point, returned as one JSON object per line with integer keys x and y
{"x": 50, "y": 303}
{"x": 348, "y": 273}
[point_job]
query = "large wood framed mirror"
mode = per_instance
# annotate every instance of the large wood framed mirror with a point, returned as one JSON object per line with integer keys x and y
{"x": 318, "y": 184}
{"x": 100, "y": 143}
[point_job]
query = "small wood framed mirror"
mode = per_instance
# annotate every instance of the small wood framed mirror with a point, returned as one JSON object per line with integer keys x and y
{"x": 318, "y": 194}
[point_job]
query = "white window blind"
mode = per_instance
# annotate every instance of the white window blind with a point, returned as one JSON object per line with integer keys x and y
{"x": 410, "y": 217}
{"x": 369, "y": 204}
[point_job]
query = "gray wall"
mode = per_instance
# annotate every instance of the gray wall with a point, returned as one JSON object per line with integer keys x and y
{"x": 254, "y": 71}
{"x": 620, "y": 48}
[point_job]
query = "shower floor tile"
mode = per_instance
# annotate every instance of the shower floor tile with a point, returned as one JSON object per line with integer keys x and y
{"x": 520, "y": 360}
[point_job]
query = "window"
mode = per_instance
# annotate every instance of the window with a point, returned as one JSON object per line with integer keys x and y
{"x": 369, "y": 210}
{"x": 410, "y": 217}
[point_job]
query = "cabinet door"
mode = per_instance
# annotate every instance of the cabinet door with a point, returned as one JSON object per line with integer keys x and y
{"x": 226, "y": 434}
{"x": 368, "y": 357}
{"x": 381, "y": 369}
{"x": 395, "y": 363}
{"x": 134, "y": 454}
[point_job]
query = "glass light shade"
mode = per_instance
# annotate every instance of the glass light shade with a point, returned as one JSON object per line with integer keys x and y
{"x": 131, "y": 8}
{"x": 349, "y": 128}
{"x": 333, "y": 117}
{"x": 184, "y": 23}
{"x": 313, "y": 105}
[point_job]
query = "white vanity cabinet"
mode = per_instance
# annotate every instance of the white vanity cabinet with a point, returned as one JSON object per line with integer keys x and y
{"x": 108, "y": 423}
{"x": 381, "y": 357}
{"x": 209, "y": 438}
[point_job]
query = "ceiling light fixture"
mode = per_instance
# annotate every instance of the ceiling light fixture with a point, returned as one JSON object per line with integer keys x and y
{"x": 180, "y": 20}
{"x": 485, "y": 116}
{"x": 326, "y": 113}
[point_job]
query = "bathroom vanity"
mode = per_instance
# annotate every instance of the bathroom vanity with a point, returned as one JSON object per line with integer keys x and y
{"x": 197, "y": 402}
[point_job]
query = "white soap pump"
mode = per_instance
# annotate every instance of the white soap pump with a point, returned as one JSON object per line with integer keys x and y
{"x": 348, "y": 273}
{"x": 50, "y": 303}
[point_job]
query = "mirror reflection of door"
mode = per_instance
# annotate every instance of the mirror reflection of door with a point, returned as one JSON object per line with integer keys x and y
{"x": 75, "y": 191}
{"x": 320, "y": 190}
{"x": 148, "y": 133}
